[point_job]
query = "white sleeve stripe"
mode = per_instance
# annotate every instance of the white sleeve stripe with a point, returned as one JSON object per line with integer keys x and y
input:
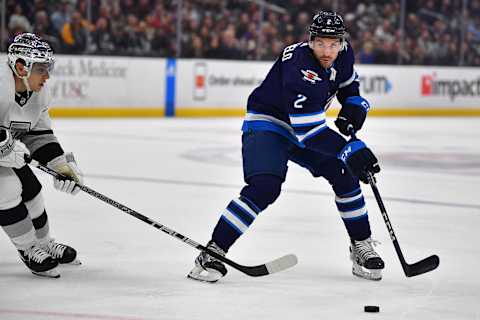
{"x": 245, "y": 207}
{"x": 349, "y": 81}
{"x": 235, "y": 221}
{"x": 354, "y": 214}
{"x": 310, "y": 119}
{"x": 347, "y": 200}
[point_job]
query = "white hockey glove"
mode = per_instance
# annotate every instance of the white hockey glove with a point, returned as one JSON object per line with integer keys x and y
{"x": 66, "y": 166}
{"x": 12, "y": 152}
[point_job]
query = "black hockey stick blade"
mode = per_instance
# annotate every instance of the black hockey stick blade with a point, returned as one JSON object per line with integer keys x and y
{"x": 422, "y": 266}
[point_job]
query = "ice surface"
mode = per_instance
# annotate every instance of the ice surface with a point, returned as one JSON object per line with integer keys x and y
{"x": 182, "y": 173}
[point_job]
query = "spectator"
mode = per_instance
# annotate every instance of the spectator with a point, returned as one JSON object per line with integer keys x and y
{"x": 42, "y": 22}
{"x": 102, "y": 38}
{"x": 45, "y": 30}
{"x": 213, "y": 52}
{"x": 18, "y": 21}
{"x": 74, "y": 35}
{"x": 366, "y": 54}
{"x": 240, "y": 29}
{"x": 194, "y": 49}
{"x": 386, "y": 54}
{"x": 60, "y": 16}
{"x": 133, "y": 41}
{"x": 228, "y": 45}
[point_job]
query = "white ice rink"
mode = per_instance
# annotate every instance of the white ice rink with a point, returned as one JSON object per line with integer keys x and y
{"x": 182, "y": 173}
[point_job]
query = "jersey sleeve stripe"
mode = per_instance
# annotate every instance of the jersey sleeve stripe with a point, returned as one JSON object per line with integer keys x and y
{"x": 349, "y": 81}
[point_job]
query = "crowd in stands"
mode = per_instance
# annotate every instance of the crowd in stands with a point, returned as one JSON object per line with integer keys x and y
{"x": 436, "y": 32}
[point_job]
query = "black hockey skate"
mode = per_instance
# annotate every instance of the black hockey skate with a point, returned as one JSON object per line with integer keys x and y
{"x": 367, "y": 263}
{"x": 40, "y": 262}
{"x": 207, "y": 268}
{"x": 63, "y": 253}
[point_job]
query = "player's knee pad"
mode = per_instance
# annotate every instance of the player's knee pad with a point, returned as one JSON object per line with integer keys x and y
{"x": 35, "y": 206}
{"x": 345, "y": 184}
{"x": 10, "y": 189}
{"x": 339, "y": 178}
{"x": 263, "y": 190}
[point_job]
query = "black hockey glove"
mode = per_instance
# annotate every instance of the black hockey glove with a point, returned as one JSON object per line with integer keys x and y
{"x": 353, "y": 112}
{"x": 359, "y": 159}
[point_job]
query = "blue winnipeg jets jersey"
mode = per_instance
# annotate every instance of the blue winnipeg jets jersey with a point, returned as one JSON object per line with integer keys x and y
{"x": 297, "y": 91}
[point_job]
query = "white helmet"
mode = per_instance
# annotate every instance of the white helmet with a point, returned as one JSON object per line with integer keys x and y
{"x": 31, "y": 49}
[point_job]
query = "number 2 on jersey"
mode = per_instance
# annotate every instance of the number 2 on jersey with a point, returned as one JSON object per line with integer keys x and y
{"x": 300, "y": 98}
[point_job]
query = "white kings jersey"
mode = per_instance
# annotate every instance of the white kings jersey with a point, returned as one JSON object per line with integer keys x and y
{"x": 30, "y": 123}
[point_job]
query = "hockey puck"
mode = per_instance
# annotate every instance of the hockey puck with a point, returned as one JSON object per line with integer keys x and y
{"x": 371, "y": 309}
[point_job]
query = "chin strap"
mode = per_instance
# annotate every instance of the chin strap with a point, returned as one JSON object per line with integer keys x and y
{"x": 25, "y": 82}
{"x": 24, "y": 78}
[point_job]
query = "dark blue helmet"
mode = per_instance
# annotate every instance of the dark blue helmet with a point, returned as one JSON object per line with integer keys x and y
{"x": 327, "y": 24}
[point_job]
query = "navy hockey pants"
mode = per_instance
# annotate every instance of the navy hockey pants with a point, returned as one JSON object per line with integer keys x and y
{"x": 265, "y": 162}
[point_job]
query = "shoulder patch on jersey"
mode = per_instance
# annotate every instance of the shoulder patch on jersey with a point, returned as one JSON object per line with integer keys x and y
{"x": 311, "y": 76}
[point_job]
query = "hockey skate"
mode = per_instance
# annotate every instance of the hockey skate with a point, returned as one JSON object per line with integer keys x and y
{"x": 207, "y": 268}
{"x": 367, "y": 263}
{"x": 40, "y": 262}
{"x": 63, "y": 253}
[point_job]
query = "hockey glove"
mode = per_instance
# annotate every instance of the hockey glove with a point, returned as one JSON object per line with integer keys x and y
{"x": 353, "y": 112}
{"x": 12, "y": 152}
{"x": 359, "y": 159}
{"x": 66, "y": 166}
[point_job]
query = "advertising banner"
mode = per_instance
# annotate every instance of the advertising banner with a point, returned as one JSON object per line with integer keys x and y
{"x": 420, "y": 87}
{"x": 89, "y": 81}
{"x": 217, "y": 87}
{"x": 127, "y": 86}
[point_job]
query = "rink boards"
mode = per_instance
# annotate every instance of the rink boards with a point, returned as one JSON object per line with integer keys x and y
{"x": 97, "y": 86}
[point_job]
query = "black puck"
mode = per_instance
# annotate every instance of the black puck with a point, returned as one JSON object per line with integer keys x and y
{"x": 371, "y": 309}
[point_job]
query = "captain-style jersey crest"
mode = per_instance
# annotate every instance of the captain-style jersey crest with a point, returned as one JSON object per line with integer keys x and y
{"x": 297, "y": 91}
{"x": 310, "y": 76}
{"x": 18, "y": 129}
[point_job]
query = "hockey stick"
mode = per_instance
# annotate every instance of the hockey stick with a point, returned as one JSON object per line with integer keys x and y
{"x": 410, "y": 270}
{"x": 428, "y": 264}
{"x": 273, "y": 266}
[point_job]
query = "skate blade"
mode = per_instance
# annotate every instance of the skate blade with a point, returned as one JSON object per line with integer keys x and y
{"x": 53, "y": 273}
{"x": 368, "y": 274}
{"x": 200, "y": 274}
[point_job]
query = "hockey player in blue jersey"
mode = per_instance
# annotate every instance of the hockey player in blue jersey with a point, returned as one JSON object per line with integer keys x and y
{"x": 285, "y": 121}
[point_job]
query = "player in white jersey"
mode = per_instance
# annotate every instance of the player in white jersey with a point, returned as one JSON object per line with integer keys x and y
{"x": 25, "y": 131}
